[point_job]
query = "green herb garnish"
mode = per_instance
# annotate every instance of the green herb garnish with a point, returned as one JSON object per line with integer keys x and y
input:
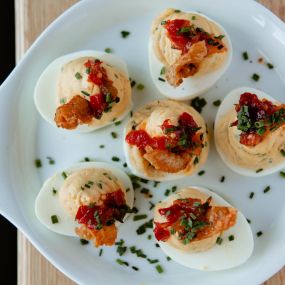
{"x": 140, "y": 86}
{"x": 162, "y": 71}
{"x": 139, "y": 217}
{"x": 198, "y": 104}
{"x": 270, "y": 65}
{"x": 267, "y": 189}
{"x": 259, "y": 170}
{"x": 114, "y": 135}
{"x": 251, "y": 195}
{"x": 231, "y": 237}
{"x": 260, "y": 233}
{"x": 125, "y": 34}
{"x": 54, "y": 219}
{"x": 85, "y": 93}
{"x": 159, "y": 268}
{"x": 245, "y": 55}
{"x": 115, "y": 158}
{"x": 78, "y": 76}
{"x": 38, "y": 163}
{"x": 255, "y": 77}
{"x": 63, "y": 174}
{"x": 84, "y": 241}
{"x": 202, "y": 172}
{"x": 217, "y": 103}
{"x": 108, "y": 50}
{"x": 219, "y": 240}
{"x": 122, "y": 262}
{"x": 222, "y": 179}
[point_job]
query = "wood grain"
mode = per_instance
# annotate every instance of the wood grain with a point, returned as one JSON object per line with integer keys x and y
{"x": 32, "y": 16}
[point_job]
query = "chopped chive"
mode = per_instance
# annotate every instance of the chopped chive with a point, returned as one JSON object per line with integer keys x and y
{"x": 251, "y": 195}
{"x": 78, "y": 75}
{"x": 267, "y": 189}
{"x": 198, "y": 104}
{"x": 86, "y": 159}
{"x": 140, "y": 86}
{"x": 152, "y": 261}
{"x": 161, "y": 79}
{"x": 255, "y": 77}
{"x": 87, "y": 186}
{"x": 139, "y": 217}
{"x": 142, "y": 228}
{"x": 125, "y": 34}
{"x": 122, "y": 262}
{"x": 157, "y": 245}
{"x": 167, "y": 192}
{"x": 249, "y": 221}
{"x": 260, "y": 233}
{"x": 163, "y": 22}
{"x": 133, "y": 83}
{"x": 193, "y": 17}
{"x": 245, "y": 55}
{"x": 159, "y": 269}
{"x": 85, "y": 93}
{"x": 222, "y": 179}
{"x": 118, "y": 123}
{"x": 270, "y": 65}
{"x": 63, "y": 174}
{"x": 282, "y": 151}
{"x": 38, "y": 163}
{"x": 121, "y": 250}
{"x": 50, "y": 160}
{"x": 101, "y": 252}
{"x": 196, "y": 160}
{"x": 84, "y": 241}
{"x": 231, "y": 237}
{"x": 54, "y": 219}
{"x": 149, "y": 237}
{"x": 259, "y": 170}
{"x": 135, "y": 268}
{"x": 114, "y": 135}
{"x": 168, "y": 258}
{"x": 177, "y": 11}
{"x": 115, "y": 158}
{"x": 87, "y": 70}
{"x": 219, "y": 240}
{"x": 155, "y": 183}
{"x": 173, "y": 189}
{"x": 217, "y": 103}
{"x": 108, "y": 50}
{"x": 202, "y": 172}
{"x": 62, "y": 101}
{"x": 54, "y": 191}
{"x": 151, "y": 205}
{"x": 101, "y": 146}
{"x": 125, "y": 164}
{"x": 282, "y": 174}
{"x": 162, "y": 71}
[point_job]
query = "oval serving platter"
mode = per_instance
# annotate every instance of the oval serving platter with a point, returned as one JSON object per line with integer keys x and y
{"x": 25, "y": 137}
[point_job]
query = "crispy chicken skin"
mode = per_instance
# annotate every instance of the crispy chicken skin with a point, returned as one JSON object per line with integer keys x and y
{"x": 77, "y": 111}
{"x": 165, "y": 160}
{"x": 105, "y": 236}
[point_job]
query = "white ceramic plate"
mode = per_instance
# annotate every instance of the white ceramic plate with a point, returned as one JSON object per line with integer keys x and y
{"x": 25, "y": 136}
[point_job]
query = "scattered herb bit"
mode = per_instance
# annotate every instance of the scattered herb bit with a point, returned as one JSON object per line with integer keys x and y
{"x": 282, "y": 174}
{"x": 140, "y": 86}
{"x": 115, "y": 158}
{"x": 193, "y": 17}
{"x": 155, "y": 183}
{"x": 161, "y": 79}
{"x": 62, "y": 101}
{"x": 282, "y": 151}
{"x": 159, "y": 269}
{"x": 231, "y": 237}
{"x": 38, "y": 163}
{"x": 50, "y": 160}
{"x": 260, "y": 233}
{"x": 108, "y": 50}
{"x": 245, "y": 55}
{"x": 85, "y": 93}
{"x": 249, "y": 221}
{"x": 267, "y": 189}
{"x": 202, "y": 172}
{"x": 135, "y": 268}
{"x": 198, "y": 104}
{"x": 151, "y": 205}
{"x": 152, "y": 261}
{"x": 196, "y": 160}
{"x": 259, "y": 170}
{"x": 255, "y": 77}
{"x": 163, "y": 22}
{"x": 142, "y": 228}
{"x": 78, "y": 76}
{"x": 84, "y": 241}
{"x": 222, "y": 179}
{"x": 63, "y": 174}
{"x": 118, "y": 123}
{"x": 143, "y": 180}
{"x": 54, "y": 219}
{"x": 135, "y": 210}
{"x": 162, "y": 71}
{"x": 101, "y": 146}
{"x": 217, "y": 103}
{"x": 168, "y": 258}
{"x": 131, "y": 113}
{"x": 220, "y": 37}
{"x": 173, "y": 189}
{"x": 167, "y": 192}
{"x": 86, "y": 159}
{"x": 138, "y": 252}
{"x": 101, "y": 252}
{"x": 125, "y": 164}
{"x": 114, "y": 135}
{"x": 157, "y": 245}
{"x": 139, "y": 217}
{"x": 122, "y": 262}
{"x": 270, "y": 65}
{"x": 54, "y": 191}
{"x": 149, "y": 237}
{"x": 121, "y": 250}
{"x": 133, "y": 83}
{"x": 251, "y": 195}
{"x": 125, "y": 34}
{"x": 219, "y": 240}
{"x": 177, "y": 11}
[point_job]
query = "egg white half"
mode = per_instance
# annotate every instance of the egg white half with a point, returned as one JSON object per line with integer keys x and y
{"x": 229, "y": 101}
{"x": 220, "y": 257}
{"x": 191, "y": 86}
{"x": 45, "y": 89}
{"x": 48, "y": 204}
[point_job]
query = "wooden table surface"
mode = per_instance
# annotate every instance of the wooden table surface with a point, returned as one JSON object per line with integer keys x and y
{"x": 32, "y": 16}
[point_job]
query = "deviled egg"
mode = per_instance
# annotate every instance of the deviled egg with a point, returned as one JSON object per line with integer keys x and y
{"x": 199, "y": 229}
{"x": 84, "y": 91}
{"x": 188, "y": 53}
{"x": 250, "y": 132}
{"x": 88, "y": 200}
{"x": 166, "y": 140}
